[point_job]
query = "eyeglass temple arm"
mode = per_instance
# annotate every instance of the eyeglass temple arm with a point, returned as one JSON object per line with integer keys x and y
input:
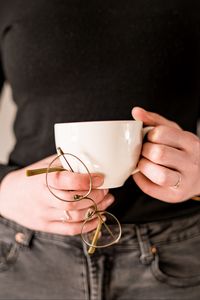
{"x": 33, "y": 172}
{"x": 60, "y": 152}
{"x": 92, "y": 248}
{"x": 45, "y": 170}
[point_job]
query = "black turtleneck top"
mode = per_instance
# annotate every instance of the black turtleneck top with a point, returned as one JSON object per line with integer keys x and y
{"x": 74, "y": 60}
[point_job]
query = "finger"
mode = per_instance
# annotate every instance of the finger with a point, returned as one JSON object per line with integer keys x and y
{"x": 71, "y": 228}
{"x": 164, "y": 155}
{"x": 151, "y": 118}
{"x": 95, "y": 195}
{"x": 67, "y": 180}
{"x": 158, "y": 174}
{"x": 54, "y": 214}
{"x": 166, "y": 194}
{"x": 171, "y": 137}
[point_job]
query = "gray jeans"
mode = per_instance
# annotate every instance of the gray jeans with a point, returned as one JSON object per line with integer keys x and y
{"x": 154, "y": 261}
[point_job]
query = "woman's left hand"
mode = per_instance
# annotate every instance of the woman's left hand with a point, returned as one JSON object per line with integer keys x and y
{"x": 170, "y": 161}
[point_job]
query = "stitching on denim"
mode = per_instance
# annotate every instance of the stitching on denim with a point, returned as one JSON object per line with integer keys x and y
{"x": 85, "y": 279}
{"x": 176, "y": 239}
{"x": 13, "y": 225}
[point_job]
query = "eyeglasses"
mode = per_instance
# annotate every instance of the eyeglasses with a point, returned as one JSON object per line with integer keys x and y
{"x": 108, "y": 230}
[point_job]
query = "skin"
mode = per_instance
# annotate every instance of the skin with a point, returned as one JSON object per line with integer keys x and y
{"x": 169, "y": 154}
{"x": 32, "y": 205}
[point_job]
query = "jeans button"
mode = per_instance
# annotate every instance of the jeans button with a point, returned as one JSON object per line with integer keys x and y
{"x": 20, "y": 238}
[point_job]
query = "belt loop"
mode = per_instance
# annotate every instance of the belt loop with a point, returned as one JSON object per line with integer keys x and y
{"x": 147, "y": 255}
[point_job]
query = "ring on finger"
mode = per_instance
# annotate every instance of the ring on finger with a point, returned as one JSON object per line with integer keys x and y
{"x": 176, "y": 186}
{"x": 65, "y": 217}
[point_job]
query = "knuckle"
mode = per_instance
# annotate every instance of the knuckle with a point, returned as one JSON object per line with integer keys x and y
{"x": 155, "y": 133}
{"x": 194, "y": 167}
{"x": 190, "y": 135}
{"x": 158, "y": 153}
{"x": 175, "y": 125}
{"x": 194, "y": 142}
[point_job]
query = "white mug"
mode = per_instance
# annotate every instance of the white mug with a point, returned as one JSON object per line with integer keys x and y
{"x": 111, "y": 148}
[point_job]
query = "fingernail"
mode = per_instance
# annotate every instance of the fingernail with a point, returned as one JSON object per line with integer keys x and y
{"x": 97, "y": 181}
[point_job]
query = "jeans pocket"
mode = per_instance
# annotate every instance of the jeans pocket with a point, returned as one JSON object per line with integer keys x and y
{"x": 8, "y": 255}
{"x": 9, "y": 247}
{"x": 178, "y": 263}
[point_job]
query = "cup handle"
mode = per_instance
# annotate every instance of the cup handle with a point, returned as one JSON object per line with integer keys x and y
{"x": 145, "y": 130}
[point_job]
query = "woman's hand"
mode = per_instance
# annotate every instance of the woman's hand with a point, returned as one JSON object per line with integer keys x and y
{"x": 27, "y": 200}
{"x": 170, "y": 162}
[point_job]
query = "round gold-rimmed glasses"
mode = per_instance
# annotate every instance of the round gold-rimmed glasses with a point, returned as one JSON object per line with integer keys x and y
{"x": 108, "y": 230}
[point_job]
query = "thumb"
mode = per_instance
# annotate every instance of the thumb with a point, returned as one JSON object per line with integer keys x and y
{"x": 151, "y": 118}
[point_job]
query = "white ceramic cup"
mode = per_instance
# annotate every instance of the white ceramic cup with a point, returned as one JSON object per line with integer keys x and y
{"x": 111, "y": 148}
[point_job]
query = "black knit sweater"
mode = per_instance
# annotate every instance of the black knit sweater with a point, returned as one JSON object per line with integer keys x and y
{"x": 79, "y": 60}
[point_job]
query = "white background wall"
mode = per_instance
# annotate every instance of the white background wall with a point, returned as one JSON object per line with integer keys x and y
{"x": 7, "y": 114}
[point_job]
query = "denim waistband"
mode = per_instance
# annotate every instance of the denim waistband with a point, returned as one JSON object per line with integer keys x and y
{"x": 172, "y": 230}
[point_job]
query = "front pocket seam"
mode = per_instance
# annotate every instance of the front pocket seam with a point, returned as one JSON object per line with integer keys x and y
{"x": 172, "y": 280}
{"x": 10, "y": 258}
{"x": 15, "y": 227}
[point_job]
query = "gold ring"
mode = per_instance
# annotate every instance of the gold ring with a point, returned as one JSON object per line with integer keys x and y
{"x": 176, "y": 186}
{"x": 66, "y": 216}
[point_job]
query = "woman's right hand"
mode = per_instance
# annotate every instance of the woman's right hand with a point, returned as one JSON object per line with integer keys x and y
{"x": 27, "y": 200}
